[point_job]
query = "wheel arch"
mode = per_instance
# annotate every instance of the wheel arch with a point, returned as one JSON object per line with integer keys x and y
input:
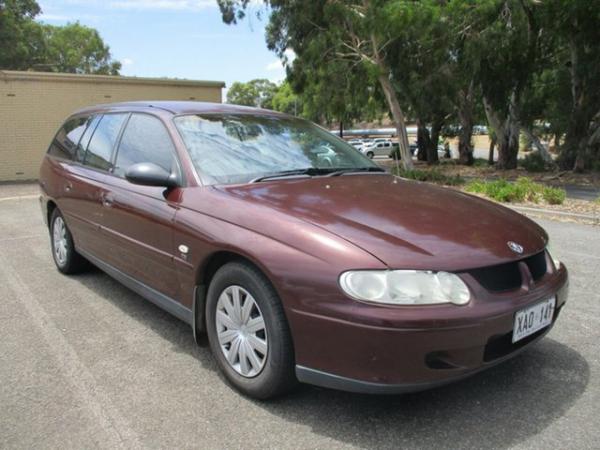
{"x": 204, "y": 275}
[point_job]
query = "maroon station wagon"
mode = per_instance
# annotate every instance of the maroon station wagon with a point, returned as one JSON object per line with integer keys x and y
{"x": 299, "y": 257}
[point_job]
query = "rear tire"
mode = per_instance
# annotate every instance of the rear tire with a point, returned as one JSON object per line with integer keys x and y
{"x": 66, "y": 258}
{"x": 370, "y": 155}
{"x": 251, "y": 341}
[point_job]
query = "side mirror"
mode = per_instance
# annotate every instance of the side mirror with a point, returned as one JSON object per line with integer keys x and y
{"x": 149, "y": 174}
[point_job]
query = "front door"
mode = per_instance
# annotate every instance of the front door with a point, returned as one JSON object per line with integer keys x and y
{"x": 138, "y": 219}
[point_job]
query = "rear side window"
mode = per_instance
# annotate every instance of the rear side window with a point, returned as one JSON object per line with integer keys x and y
{"x": 66, "y": 140}
{"x": 85, "y": 139}
{"x": 145, "y": 139}
{"x": 103, "y": 140}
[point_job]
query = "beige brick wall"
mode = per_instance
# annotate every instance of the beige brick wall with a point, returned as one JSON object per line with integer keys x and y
{"x": 33, "y": 106}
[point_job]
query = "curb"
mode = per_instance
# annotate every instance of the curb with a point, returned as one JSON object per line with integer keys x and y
{"x": 548, "y": 212}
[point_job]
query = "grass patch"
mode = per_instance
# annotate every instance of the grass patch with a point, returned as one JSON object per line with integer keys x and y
{"x": 480, "y": 162}
{"x": 431, "y": 176}
{"x": 524, "y": 189}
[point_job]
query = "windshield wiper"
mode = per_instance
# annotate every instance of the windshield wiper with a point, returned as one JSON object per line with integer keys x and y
{"x": 309, "y": 171}
{"x": 339, "y": 172}
{"x": 315, "y": 171}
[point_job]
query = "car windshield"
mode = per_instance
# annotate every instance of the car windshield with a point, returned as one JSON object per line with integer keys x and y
{"x": 239, "y": 148}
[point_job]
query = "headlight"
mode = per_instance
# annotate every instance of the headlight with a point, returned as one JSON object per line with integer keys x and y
{"x": 405, "y": 287}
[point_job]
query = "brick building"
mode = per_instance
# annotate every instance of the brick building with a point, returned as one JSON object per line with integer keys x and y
{"x": 34, "y": 104}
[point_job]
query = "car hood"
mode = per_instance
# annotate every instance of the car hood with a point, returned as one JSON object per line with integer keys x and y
{"x": 405, "y": 224}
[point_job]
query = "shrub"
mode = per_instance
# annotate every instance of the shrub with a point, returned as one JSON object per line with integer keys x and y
{"x": 534, "y": 162}
{"x": 554, "y": 196}
{"x": 524, "y": 189}
{"x": 431, "y": 176}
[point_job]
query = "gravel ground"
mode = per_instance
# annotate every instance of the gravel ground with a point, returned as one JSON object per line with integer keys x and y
{"x": 85, "y": 363}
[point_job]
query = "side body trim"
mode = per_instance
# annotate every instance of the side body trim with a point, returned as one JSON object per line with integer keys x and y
{"x": 162, "y": 301}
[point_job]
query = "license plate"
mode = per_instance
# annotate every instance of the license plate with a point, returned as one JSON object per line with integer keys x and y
{"x": 532, "y": 319}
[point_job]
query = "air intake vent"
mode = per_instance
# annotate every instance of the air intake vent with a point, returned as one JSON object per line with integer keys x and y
{"x": 507, "y": 277}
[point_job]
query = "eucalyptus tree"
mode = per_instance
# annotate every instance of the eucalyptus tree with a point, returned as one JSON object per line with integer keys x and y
{"x": 576, "y": 72}
{"x": 19, "y": 35}
{"x": 335, "y": 92}
{"x": 421, "y": 63}
{"x": 258, "y": 92}
{"x": 501, "y": 40}
{"x": 357, "y": 33}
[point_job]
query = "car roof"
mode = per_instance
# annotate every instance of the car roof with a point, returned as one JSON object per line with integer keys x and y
{"x": 180, "y": 107}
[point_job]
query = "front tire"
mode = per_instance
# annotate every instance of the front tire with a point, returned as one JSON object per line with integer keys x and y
{"x": 66, "y": 258}
{"x": 248, "y": 332}
{"x": 370, "y": 155}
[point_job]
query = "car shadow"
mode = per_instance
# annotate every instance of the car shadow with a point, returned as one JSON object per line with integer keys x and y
{"x": 496, "y": 408}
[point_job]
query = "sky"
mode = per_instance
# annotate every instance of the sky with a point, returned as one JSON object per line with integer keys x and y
{"x": 173, "y": 38}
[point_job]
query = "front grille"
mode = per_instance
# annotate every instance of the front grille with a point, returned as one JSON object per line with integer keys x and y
{"x": 537, "y": 265}
{"x": 507, "y": 277}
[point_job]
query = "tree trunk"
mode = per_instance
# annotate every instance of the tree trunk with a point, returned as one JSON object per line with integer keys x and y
{"x": 393, "y": 104}
{"x": 432, "y": 148}
{"x": 491, "y": 152}
{"x": 341, "y": 129}
{"x": 507, "y": 134}
{"x": 398, "y": 115}
{"x": 465, "y": 117}
{"x": 508, "y": 146}
{"x": 465, "y": 149}
{"x": 538, "y": 145}
{"x": 422, "y": 141}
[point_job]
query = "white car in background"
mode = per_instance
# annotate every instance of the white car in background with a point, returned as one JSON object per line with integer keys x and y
{"x": 356, "y": 143}
{"x": 379, "y": 147}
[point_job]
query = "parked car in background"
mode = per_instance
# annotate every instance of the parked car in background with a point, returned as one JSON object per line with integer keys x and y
{"x": 480, "y": 129}
{"x": 356, "y": 143}
{"x": 379, "y": 147}
{"x": 299, "y": 257}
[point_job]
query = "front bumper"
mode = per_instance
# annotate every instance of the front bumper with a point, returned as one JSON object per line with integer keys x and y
{"x": 384, "y": 358}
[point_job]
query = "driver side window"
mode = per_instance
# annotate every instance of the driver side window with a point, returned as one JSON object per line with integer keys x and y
{"x": 145, "y": 139}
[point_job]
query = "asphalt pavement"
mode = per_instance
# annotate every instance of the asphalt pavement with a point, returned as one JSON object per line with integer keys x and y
{"x": 86, "y": 363}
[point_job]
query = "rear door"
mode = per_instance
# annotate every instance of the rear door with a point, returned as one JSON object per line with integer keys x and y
{"x": 92, "y": 160}
{"x": 138, "y": 219}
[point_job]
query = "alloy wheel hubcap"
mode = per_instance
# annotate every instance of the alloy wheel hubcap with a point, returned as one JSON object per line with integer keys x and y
{"x": 241, "y": 331}
{"x": 59, "y": 240}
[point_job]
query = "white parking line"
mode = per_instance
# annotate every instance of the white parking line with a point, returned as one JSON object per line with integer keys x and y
{"x": 19, "y": 197}
{"x": 20, "y": 238}
{"x": 104, "y": 413}
{"x": 581, "y": 255}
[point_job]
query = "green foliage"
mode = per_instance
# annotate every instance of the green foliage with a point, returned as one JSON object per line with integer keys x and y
{"x": 524, "y": 189}
{"x": 285, "y": 100}
{"x": 19, "y": 36}
{"x": 75, "y": 48}
{"x": 258, "y": 93}
{"x": 535, "y": 63}
{"x": 28, "y": 45}
{"x": 432, "y": 176}
{"x": 554, "y": 196}
{"x": 534, "y": 162}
